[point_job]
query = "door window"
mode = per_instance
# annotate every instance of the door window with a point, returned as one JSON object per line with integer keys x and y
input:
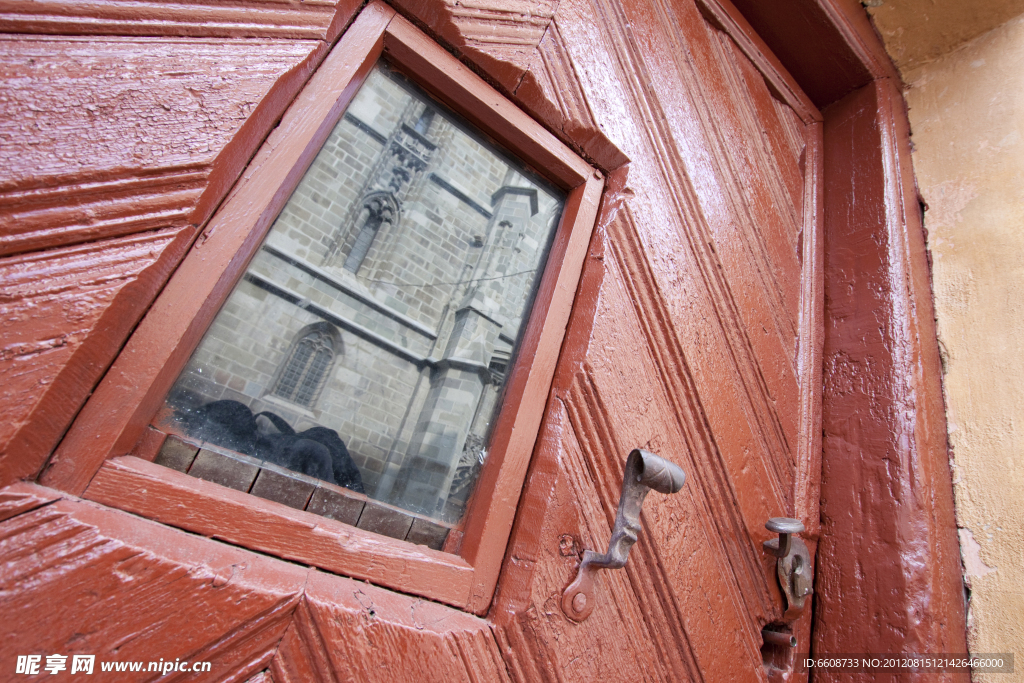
{"x": 367, "y": 343}
{"x": 379, "y": 303}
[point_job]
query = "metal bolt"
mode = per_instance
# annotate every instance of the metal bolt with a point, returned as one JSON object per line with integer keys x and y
{"x": 579, "y": 602}
{"x": 778, "y": 637}
{"x": 784, "y": 527}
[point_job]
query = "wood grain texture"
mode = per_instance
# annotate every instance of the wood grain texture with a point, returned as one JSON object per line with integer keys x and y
{"x": 65, "y": 313}
{"x": 746, "y": 248}
{"x": 519, "y": 46}
{"x": 885, "y": 456}
{"x": 351, "y": 631}
{"x": 294, "y": 19}
{"x": 21, "y": 497}
{"x": 810, "y": 348}
{"x": 137, "y": 591}
{"x": 133, "y": 590}
{"x": 106, "y": 137}
{"x": 113, "y": 102}
{"x": 536, "y": 637}
{"x": 736, "y": 495}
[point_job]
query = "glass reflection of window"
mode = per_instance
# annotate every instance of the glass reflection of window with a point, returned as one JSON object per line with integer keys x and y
{"x": 307, "y": 368}
{"x": 418, "y": 246}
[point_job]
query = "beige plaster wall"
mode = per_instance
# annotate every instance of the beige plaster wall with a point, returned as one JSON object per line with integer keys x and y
{"x": 918, "y": 31}
{"x": 967, "y": 118}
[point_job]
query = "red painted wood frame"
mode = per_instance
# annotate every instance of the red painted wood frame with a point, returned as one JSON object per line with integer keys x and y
{"x": 100, "y": 457}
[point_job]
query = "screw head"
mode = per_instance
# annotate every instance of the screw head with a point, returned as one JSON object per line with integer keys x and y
{"x": 567, "y": 545}
{"x": 579, "y": 602}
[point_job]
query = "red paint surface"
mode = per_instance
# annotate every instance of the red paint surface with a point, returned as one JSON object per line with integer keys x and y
{"x": 102, "y": 582}
{"x": 693, "y": 334}
{"x": 889, "y": 576}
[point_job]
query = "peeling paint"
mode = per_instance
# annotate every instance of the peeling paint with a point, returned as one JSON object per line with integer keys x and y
{"x": 970, "y": 551}
{"x": 946, "y": 203}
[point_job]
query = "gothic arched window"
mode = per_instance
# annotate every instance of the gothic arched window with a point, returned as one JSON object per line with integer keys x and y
{"x": 308, "y": 365}
{"x": 378, "y": 208}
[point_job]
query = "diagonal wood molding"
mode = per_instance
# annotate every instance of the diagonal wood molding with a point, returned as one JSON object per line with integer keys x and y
{"x": 518, "y": 47}
{"x": 66, "y": 313}
{"x": 292, "y": 19}
{"x": 135, "y": 590}
{"x": 131, "y": 134}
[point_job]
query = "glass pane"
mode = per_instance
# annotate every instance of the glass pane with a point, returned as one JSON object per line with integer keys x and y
{"x": 377, "y": 323}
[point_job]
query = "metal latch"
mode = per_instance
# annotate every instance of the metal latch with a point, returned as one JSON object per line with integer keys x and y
{"x": 794, "y": 564}
{"x": 644, "y": 471}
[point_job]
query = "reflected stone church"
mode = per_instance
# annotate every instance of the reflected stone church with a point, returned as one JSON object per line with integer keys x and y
{"x": 388, "y": 297}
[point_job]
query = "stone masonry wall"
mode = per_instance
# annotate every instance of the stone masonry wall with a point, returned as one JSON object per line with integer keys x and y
{"x": 446, "y": 279}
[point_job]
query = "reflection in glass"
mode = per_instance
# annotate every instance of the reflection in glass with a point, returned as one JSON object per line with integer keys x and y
{"x": 378, "y": 322}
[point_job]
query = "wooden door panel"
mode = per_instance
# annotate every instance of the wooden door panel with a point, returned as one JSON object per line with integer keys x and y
{"x": 672, "y": 419}
{"x": 693, "y": 335}
{"x": 345, "y": 630}
{"x": 638, "y": 630}
{"x": 694, "y": 347}
{"x": 537, "y": 640}
{"x": 105, "y": 583}
{"x": 770, "y": 224}
{"x": 218, "y": 18}
{"x": 682, "y": 576}
{"x": 742, "y": 234}
{"x": 677, "y": 595}
{"x": 111, "y": 136}
{"x": 700, "y": 584}
{"x": 682, "y": 143}
{"x": 781, "y": 131}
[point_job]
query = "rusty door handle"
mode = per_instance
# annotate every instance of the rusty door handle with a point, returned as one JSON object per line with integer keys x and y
{"x": 644, "y": 471}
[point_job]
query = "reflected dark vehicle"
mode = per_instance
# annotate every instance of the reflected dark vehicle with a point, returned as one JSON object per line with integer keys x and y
{"x": 318, "y": 451}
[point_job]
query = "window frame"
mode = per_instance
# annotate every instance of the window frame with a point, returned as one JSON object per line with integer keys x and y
{"x": 106, "y": 454}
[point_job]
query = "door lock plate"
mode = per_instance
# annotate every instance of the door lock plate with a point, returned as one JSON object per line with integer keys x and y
{"x": 794, "y": 564}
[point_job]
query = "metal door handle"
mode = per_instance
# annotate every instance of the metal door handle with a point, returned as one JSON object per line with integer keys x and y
{"x": 785, "y": 528}
{"x": 644, "y": 471}
{"x": 794, "y": 563}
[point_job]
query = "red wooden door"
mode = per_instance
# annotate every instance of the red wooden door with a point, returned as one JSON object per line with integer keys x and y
{"x": 695, "y": 333}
